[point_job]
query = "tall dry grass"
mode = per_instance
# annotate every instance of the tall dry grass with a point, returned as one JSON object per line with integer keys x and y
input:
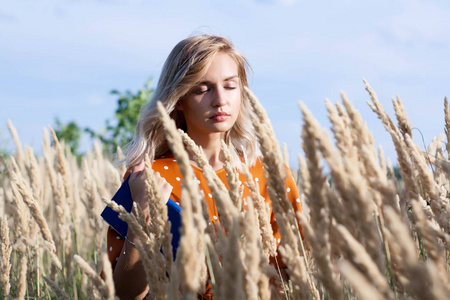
{"x": 366, "y": 234}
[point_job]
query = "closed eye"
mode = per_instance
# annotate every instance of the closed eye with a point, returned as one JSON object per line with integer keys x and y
{"x": 202, "y": 91}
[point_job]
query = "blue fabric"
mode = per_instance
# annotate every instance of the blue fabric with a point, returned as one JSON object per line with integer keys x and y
{"x": 123, "y": 197}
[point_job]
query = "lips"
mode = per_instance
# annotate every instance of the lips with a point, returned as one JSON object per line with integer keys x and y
{"x": 220, "y": 116}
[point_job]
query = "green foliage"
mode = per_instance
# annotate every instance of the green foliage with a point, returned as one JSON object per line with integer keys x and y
{"x": 70, "y": 133}
{"x": 120, "y": 130}
{"x": 5, "y": 145}
{"x": 397, "y": 173}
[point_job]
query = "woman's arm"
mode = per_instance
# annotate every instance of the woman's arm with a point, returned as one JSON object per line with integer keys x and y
{"x": 129, "y": 274}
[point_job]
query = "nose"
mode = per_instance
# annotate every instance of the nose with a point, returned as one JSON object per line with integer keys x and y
{"x": 219, "y": 97}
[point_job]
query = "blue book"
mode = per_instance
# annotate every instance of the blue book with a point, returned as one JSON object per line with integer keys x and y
{"x": 123, "y": 197}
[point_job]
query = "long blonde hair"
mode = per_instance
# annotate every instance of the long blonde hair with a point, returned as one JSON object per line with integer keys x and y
{"x": 186, "y": 64}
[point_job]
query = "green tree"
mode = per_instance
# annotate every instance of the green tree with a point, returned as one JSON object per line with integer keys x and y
{"x": 70, "y": 133}
{"x": 119, "y": 130}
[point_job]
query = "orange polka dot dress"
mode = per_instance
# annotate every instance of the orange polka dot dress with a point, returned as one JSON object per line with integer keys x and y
{"x": 168, "y": 168}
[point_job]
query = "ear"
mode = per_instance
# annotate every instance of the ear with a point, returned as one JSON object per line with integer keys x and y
{"x": 179, "y": 105}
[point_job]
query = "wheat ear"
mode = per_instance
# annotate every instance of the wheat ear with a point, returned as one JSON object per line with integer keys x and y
{"x": 190, "y": 261}
{"x": 19, "y": 149}
{"x": 38, "y": 216}
{"x": 5, "y": 255}
{"x": 60, "y": 293}
{"x": 98, "y": 282}
{"x": 233, "y": 177}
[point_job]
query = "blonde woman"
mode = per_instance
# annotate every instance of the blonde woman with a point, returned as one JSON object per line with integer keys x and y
{"x": 202, "y": 88}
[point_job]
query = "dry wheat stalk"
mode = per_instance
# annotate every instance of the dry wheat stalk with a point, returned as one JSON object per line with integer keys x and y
{"x": 275, "y": 173}
{"x": 232, "y": 177}
{"x": 61, "y": 209}
{"x": 414, "y": 276}
{"x": 148, "y": 247}
{"x": 21, "y": 214}
{"x": 19, "y": 150}
{"x": 429, "y": 186}
{"x": 199, "y": 158}
{"x": 353, "y": 190}
{"x": 254, "y": 260}
{"x": 431, "y": 234}
{"x": 159, "y": 223}
{"x": 156, "y": 204}
{"x": 361, "y": 260}
{"x": 190, "y": 261}
{"x": 63, "y": 220}
{"x": 60, "y": 293}
{"x": 37, "y": 214}
{"x": 108, "y": 279}
{"x": 447, "y": 126}
{"x": 34, "y": 175}
{"x": 100, "y": 169}
{"x": 363, "y": 287}
{"x": 342, "y": 132}
{"x": 218, "y": 189}
{"x": 400, "y": 146}
{"x": 159, "y": 233}
{"x": 232, "y": 286}
{"x": 97, "y": 281}
{"x": 48, "y": 154}
{"x": 91, "y": 202}
{"x": 62, "y": 166}
{"x": 22, "y": 280}
{"x": 5, "y": 256}
{"x": 389, "y": 200}
{"x": 320, "y": 219}
{"x": 262, "y": 211}
{"x": 402, "y": 118}
{"x": 274, "y": 170}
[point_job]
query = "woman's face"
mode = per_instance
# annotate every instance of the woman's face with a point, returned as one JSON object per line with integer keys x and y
{"x": 212, "y": 106}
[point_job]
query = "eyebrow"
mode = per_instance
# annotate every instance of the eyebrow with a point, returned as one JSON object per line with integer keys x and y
{"x": 206, "y": 82}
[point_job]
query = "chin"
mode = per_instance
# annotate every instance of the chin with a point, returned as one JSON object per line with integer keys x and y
{"x": 223, "y": 128}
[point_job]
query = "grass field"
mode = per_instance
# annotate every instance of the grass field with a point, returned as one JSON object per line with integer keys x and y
{"x": 367, "y": 235}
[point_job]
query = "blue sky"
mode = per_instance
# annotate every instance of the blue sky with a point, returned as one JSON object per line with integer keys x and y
{"x": 61, "y": 58}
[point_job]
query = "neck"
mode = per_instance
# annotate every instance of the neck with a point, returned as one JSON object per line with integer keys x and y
{"x": 211, "y": 147}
